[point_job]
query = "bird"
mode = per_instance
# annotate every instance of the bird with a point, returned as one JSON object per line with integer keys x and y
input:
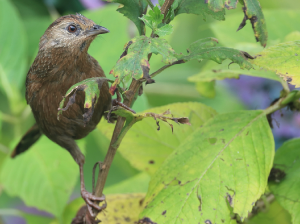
{"x": 61, "y": 62}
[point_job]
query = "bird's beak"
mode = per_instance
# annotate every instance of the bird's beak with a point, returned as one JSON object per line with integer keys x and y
{"x": 95, "y": 30}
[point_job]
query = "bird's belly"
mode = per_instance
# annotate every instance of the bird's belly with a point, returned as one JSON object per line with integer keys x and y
{"x": 70, "y": 123}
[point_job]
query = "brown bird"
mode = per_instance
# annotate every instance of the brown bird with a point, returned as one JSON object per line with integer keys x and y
{"x": 63, "y": 61}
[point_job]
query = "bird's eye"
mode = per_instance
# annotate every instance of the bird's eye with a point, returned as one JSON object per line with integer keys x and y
{"x": 72, "y": 28}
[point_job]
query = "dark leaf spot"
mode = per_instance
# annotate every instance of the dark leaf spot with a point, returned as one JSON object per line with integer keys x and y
{"x": 126, "y": 49}
{"x": 243, "y": 23}
{"x": 164, "y": 212}
{"x": 127, "y": 219}
{"x": 151, "y": 161}
{"x": 276, "y": 175}
{"x": 146, "y": 221}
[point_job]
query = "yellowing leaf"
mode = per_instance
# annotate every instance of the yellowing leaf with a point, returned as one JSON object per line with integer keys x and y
{"x": 122, "y": 208}
{"x": 284, "y": 59}
{"x": 222, "y": 166}
{"x": 146, "y": 148}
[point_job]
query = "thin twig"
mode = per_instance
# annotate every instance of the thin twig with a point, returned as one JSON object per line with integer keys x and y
{"x": 165, "y": 67}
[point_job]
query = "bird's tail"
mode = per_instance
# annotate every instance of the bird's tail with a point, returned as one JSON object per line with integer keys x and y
{"x": 31, "y": 136}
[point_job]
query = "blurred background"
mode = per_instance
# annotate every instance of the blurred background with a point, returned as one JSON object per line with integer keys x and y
{"x": 23, "y": 22}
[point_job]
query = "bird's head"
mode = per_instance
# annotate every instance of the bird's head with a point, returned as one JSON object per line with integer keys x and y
{"x": 71, "y": 32}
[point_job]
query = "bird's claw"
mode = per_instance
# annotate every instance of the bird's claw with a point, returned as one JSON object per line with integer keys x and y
{"x": 91, "y": 204}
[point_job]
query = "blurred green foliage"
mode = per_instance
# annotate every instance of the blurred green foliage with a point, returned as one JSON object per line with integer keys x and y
{"x": 23, "y": 22}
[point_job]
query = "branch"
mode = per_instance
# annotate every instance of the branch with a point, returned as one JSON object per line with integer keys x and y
{"x": 129, "y": 99}
{"x": 283, "y": 102}
{"x": 165, "y": 8}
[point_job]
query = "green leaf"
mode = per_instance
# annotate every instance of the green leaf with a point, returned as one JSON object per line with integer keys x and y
{"x": 224, "y": 165}
{"x": 35, "y": 219}
{"x": 133, "y": 9}
{"x": 206, "y": 89}
{"x": 136, "y": 184}
{"x": 154, "y": 18}
{"x": 218, "y": 5}
{"x": 91, "y": 87}
{"x": 210, "y": 75}
{"x": 254, "y": 13}
{"x": 146, "y": 148}
{"x": 199, "y": 8}
{"x": 206, "y": 49}
{"x": 135, "y": 64}
{"x": 286, "y": 58}
{"x": 293, "y": 36}
{"x": 164, "y": 30}
{"x": 275, "y": 214}
{"x": 287, "y": 190}
{"x": 12, "y": 50}
{"x": 43, "y": 177}
{"x": 154, "y": 21}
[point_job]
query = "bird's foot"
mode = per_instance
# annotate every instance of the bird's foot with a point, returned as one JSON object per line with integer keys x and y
{"x": 92, "y": 202}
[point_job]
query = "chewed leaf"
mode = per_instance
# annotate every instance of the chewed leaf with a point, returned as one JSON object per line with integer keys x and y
{"x": 206, "y": 49}
{"x": 140, "y": 116}
{"x": 286, "y": 58}
{"x": 218, "y": 5}
{"x": 91, "y": 87}
{"x": 253, "y": 12}
{"x": 199, "y": 8}
{"x": 134, "y": 61}
{"x": 133, "y": 9}
{"x": 181, "y": 120}
{"x": 132, "y": 118}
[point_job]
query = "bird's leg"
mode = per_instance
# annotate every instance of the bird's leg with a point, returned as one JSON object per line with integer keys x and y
{"x": 89, "y": 198}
